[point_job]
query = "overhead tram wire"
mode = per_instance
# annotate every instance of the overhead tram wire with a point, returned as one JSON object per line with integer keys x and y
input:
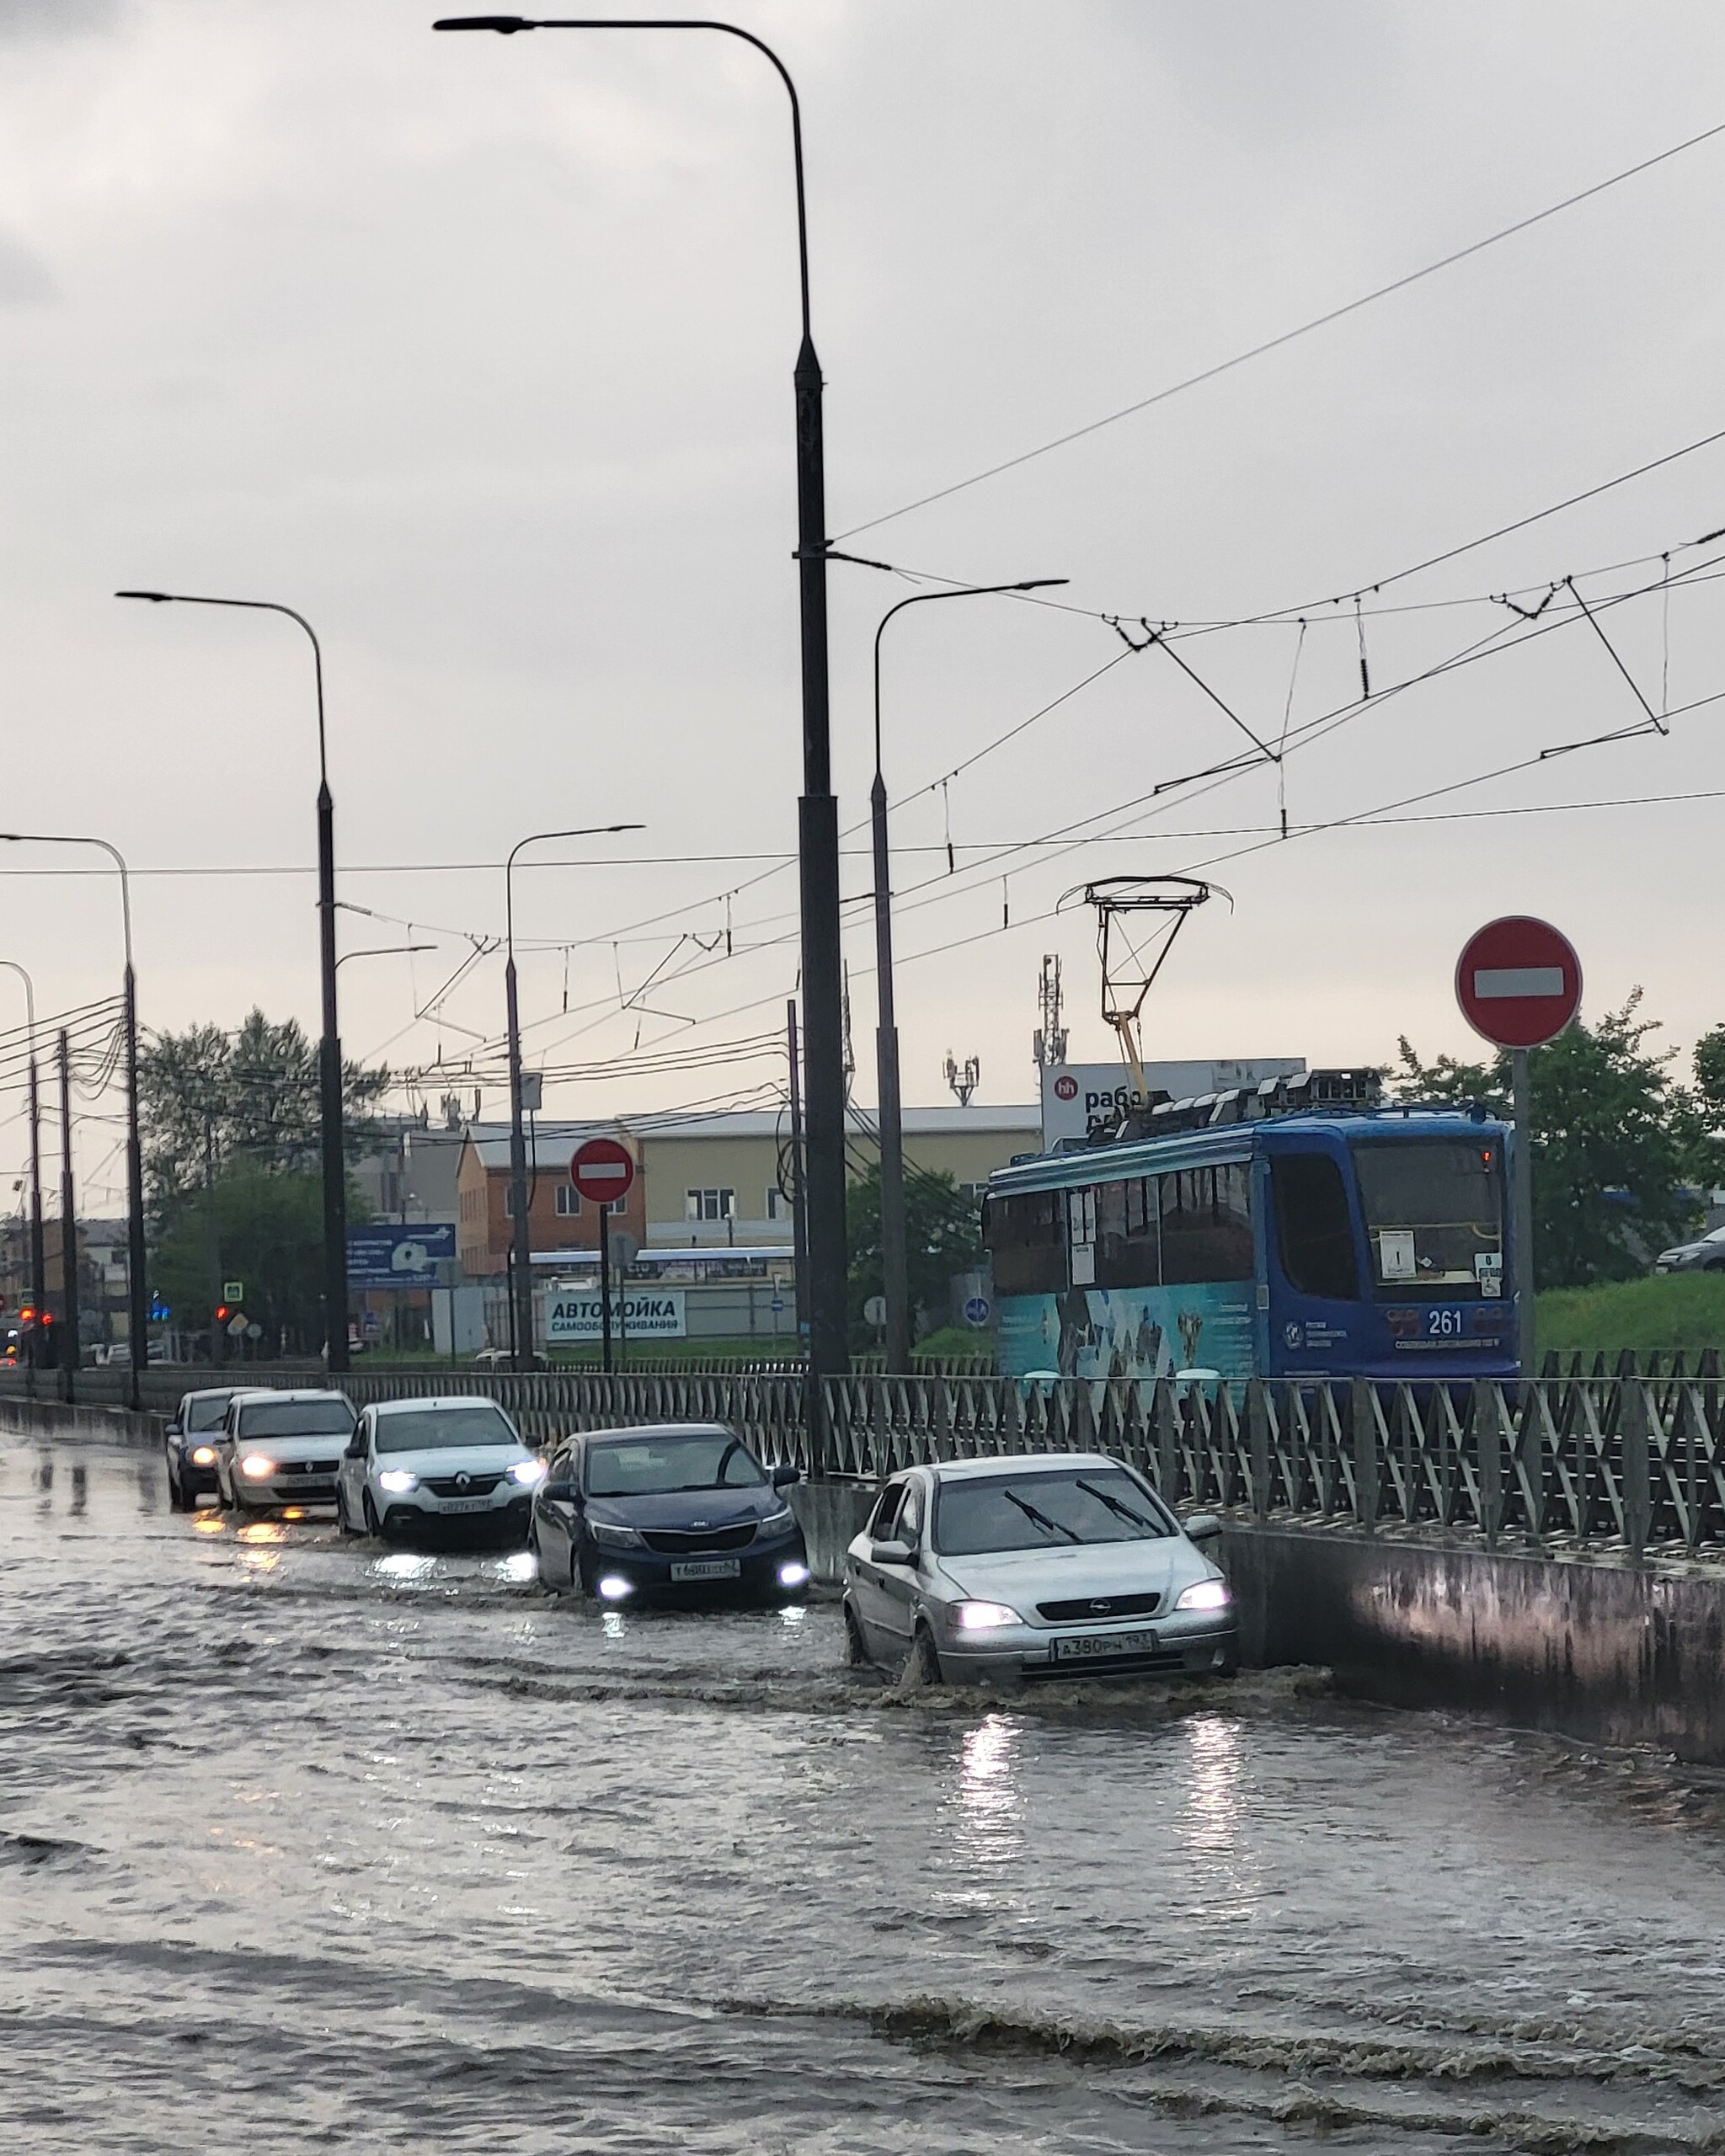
{"x": 1287, "y": 336}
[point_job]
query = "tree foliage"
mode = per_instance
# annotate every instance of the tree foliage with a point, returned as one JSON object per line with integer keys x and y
{"x": 261, "y": 1225}
{"x": 209, "y": 1100}
{"x": 943, "y": 1236}
{"x": 1616, "y": 1140}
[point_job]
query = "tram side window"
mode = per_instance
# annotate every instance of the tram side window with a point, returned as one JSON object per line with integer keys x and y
{"x": 1027, "y": 1238}
{"x": 1314, "y": 1232}
{"x": 1128, "y": 1241}
{"x": 1206, "y": 1224}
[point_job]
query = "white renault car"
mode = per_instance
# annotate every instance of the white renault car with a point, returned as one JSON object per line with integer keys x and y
{"x": 1056, "y": 1565}
{"x": 281, "y": 1448}
{"x": 412, "y": 1463}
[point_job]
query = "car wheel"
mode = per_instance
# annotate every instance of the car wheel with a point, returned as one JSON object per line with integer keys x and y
{"x": 855, "y": 1646}
{"x": 176, "y": 1495}
{"x": 1714, "y": 1265}
{"x": 925, "y": 1659}
{"x": 374, "y": 1526}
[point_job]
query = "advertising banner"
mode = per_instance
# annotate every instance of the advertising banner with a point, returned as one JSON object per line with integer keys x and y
{"x": 643, "y": 1313}
{"x": 1080, "y": 1097}
{"x": 387, "y": 1256}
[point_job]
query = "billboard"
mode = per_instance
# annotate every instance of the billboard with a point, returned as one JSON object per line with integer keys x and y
{"x": 1080, "y": 1097}
{"x": 389, "y": 1255}
{"x": 642, "y": 1313}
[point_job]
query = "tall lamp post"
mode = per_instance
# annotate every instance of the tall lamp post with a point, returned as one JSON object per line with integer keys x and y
{"x": 895, "y": 1273}
{"x": 329, "y": 1047}
{"x": 137, "y": 1290}
{"x": 817, "y": 811}
{"x": 522, "y": 1241}
{"x": 39, "y": 1265}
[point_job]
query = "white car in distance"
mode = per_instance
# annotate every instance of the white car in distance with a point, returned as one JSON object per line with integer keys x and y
{"x": 280, "y": 1448}
{"x": 415, "y": 1463}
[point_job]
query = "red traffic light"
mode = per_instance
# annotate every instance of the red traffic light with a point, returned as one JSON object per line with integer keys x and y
{"x": 223, "y": 1312}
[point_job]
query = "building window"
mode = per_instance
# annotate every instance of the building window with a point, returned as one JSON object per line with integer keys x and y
{"x": 778, "y": 1206}
{"x": 569, "y": 1200}
{"x": 710, "y": 1204}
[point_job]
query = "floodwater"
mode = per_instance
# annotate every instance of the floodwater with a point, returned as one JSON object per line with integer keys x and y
{"x": 308, "y": 1844}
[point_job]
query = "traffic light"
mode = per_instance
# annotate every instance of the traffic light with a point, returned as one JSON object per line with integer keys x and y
{"x": 223, "y": 1312}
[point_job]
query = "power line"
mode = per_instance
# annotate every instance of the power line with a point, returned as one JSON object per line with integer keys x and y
{"x": 1286, "y": 336}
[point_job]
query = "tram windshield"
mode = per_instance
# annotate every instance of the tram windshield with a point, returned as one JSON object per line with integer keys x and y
{"x": 1433, "y": 1215}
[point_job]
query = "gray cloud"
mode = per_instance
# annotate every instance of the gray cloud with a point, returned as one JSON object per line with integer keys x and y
{"x": 49, "y": 18}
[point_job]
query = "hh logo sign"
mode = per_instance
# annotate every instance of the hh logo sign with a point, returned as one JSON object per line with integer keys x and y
{"x": 643, "y": 1313}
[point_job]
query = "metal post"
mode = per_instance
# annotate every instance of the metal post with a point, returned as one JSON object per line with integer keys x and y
{"x": 799, "y": 1218}
{"x": 330, "y": 1102}
{"x": 605, "y": 1288}
{"x": 521, "y": 1285}
{"x": 1521, "y": 1213}
{"x": 38, "y": 1256}
{"x": 68, "y": 1233}
{"x": 895, "y": 1261}
{"x": 138, "y": 1322}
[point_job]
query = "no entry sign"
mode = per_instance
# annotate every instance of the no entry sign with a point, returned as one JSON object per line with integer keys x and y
{"x": 603, "y": 1171}
{"x": 1519, "y": 982}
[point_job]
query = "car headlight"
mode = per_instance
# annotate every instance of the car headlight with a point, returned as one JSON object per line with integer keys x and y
{"x": 778, "y": 1523}
{"x": 613, "y": 1537}
{"x": 1205, "y": 1594}
{"x": 614, "y": 1588}
{"x": 257, "y": 1466}
{"x": 204, "y": 1456}
{"x": 529, "y": 1471}
{"x": 983, "y": 1616}
{"x": 792, "y": 1574}
{"x": 397, "y": 1481}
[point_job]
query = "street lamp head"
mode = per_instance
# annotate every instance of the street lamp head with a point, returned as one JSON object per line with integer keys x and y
{"x": 505, "y": 25}
{"x": 1041, "y": 582}
{"x": 156, "y": 598}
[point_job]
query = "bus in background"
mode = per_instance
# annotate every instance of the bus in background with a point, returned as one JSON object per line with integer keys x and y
{"x": 1299, "y": 1230}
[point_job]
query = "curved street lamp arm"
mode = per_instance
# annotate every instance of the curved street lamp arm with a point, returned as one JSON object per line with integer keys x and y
{"x": 538, "y": 838}
{"x": 917, "y": 599}
{"x": 77, "y": 838}
{"x": 256, "y": 606}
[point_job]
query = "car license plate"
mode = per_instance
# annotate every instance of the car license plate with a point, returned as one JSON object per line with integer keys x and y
{"x": 466, "y": 1504}
{"x": 1101, "y": 1646}
{"x": 707, "y": 1568}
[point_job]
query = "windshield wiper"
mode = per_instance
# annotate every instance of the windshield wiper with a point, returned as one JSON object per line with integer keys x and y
{"x": 1114, "y": 1504}
{"x": 1040, "y": 1519}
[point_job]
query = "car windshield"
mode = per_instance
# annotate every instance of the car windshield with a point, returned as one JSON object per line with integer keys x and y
{"x": 653, "y": 1466}
{"x": 206, "y": 1414}
{"x": 424, "y": 1429}
{"x": 297, "y": 1418}
{"x": 1433, "y": 1215}
{"x": 1042, "y": 1511}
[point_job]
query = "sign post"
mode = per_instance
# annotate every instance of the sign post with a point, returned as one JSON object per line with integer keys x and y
{"x": 603, "y": 1171}
{"x": 1519, "y": 984}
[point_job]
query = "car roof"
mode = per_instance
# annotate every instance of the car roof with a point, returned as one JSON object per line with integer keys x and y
{"x": 438, "y": 1402}
{"x": 662, "y": 1430}
{"x": 1029, "y": 1463}
{"x": 251, "y": 1392}
{"x": 216, "y": 1391}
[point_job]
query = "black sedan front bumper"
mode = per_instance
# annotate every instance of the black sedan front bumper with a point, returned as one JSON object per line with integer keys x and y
{"x": 765, "y": 1571}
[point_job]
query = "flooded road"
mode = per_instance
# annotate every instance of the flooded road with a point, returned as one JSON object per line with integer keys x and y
{"x": 304, "y": 1843}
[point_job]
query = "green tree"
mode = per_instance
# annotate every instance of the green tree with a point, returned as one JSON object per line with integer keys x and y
{"x": 260, "y": 1224}
{"x": 208, "y": 1099}
{"x": 943, "y": 1236}
{"x": 1606, "y": 1117}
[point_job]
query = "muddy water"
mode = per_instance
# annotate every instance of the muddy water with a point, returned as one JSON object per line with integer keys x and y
{"x": 306, "y": 1844}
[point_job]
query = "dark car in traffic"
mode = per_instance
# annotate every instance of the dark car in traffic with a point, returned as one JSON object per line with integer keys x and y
{"x": 189, "y": 1444}
{"x": 673, "y": 1512}
{"x": 1703, "y": 1254}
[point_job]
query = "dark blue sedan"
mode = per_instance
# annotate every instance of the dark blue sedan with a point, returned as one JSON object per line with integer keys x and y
{"x": 674, "y": 1512}
{"x": 189, "y": 1445}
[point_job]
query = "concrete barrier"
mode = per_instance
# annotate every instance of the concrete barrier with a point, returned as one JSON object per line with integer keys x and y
{"x": 829, "y": 1514}
{"x": 1610, "y": 1654}
{"x": 53, "y": 1419}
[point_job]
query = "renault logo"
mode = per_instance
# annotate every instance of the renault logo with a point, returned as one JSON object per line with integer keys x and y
{"x": 1100, "y": 1608}
{"x": 464, "y": 1482}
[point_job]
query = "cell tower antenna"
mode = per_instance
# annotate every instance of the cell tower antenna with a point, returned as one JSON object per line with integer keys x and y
{"x": 1050, "y": 1036}
{"x": 964, "y": 1082}
{"x": 1137, "y": 919}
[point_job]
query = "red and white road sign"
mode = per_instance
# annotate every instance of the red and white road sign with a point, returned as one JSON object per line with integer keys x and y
{"x": 603, "y": 1171}
{"x": 1518, "y": 981}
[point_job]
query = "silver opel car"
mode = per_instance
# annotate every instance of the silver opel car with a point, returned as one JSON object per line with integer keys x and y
{"x": 1058, "y": 1565}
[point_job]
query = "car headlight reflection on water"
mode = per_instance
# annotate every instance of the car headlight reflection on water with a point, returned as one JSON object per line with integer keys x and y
{"x": 1205, "y": 1594}
{"x": 397, "y": 1481}
{"x": 614, "y": 1588}
{"x": 793, "y": 1575}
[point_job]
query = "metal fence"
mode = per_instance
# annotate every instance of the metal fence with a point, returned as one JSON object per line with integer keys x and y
{"x": 1619, "y": 1464}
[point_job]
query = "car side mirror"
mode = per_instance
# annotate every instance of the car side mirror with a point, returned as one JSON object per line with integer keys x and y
{"x": 357, "y": 1446}
{"x": 173, "y": 1430}
{"x": 891, "y": 1553}
{"x": 559, "y": 1489}
{"x": 783, "y": 1477}
{"x": 1202, "y": 1527}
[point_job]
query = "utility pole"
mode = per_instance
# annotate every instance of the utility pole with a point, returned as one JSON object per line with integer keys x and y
{"x": 68, "y": 1233}
{"x": 39, "y": 1260}
{"x": 218, "y": 1338}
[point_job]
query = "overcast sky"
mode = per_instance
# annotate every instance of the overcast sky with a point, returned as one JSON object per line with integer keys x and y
{"x": 478, "y": 351}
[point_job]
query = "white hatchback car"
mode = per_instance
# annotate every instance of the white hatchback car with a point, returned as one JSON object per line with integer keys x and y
{"x": 1055, "y": 1565}
{"x": 415, "y": 1462}
{"x": 281, "y": 1448}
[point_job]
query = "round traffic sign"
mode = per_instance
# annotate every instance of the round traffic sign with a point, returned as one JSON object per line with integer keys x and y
{"x": 977, "y": 1310}
{"x": 603, "y": 1171}
{"x": 1518, "y": 981}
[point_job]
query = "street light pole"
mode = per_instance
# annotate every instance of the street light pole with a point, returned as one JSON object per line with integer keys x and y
{"x": 817, "y": 811}
{"x": 522, "y": 1241}
{"x": 334, "y": 1162}
{"x": 39, "y": 1265}
{"x": 137, "y": 1290}
{"x": 895, "y": 1262}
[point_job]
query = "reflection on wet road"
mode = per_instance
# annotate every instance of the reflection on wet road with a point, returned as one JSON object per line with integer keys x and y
{"x": 304, "y": 1842}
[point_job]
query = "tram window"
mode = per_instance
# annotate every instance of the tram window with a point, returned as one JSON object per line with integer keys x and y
{"x": 1206, "y": 1224}
{"x": 1128, "y": 1253}
{"x": 1314, "y": 1231}
{"x": 1027, "y": 1240}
